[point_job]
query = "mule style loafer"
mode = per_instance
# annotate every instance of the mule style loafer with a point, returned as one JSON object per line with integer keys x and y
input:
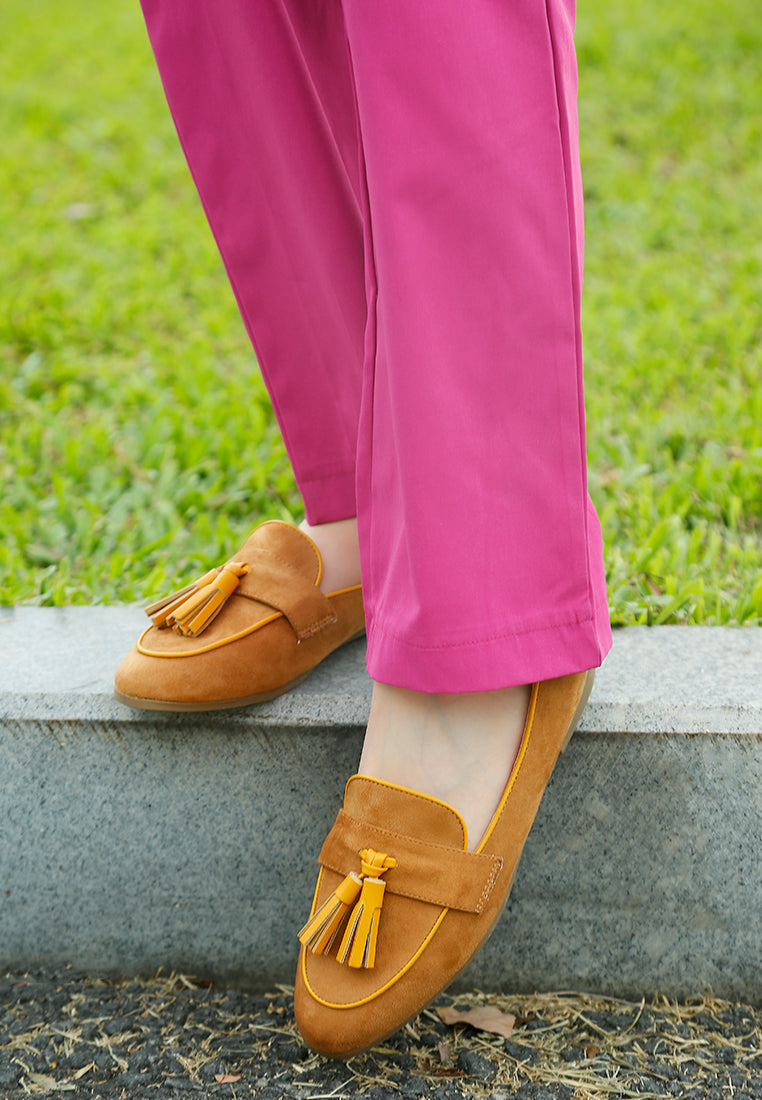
{"x": 401, "y": 904}
{"x": 243, "y": 633}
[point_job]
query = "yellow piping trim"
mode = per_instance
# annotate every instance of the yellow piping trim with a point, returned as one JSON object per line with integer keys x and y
{"x": 232, "y": 637}
{"x": 212, "y": 645}
{"x": 531, "y": 709}
{"x": 343, "y": 591}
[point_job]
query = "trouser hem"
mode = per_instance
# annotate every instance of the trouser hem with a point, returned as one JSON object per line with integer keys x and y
{"x": 329, "y": 497}
{"x": 489, "y": 663}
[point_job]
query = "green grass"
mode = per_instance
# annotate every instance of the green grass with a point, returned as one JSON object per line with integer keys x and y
{"x": 136, "y": 439}
{"x": 670, "y": 115}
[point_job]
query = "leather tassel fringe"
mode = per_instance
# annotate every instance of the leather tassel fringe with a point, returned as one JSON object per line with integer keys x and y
{"x": 358, "y": 944}
{"x": 358, "y": 947}
{"x": 320, "y": 930}
{"x": 194, "y": 607}
{"x": 161, "y": 610}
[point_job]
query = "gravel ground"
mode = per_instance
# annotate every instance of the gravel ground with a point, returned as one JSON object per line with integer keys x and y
{"x": 172, "y": 1037}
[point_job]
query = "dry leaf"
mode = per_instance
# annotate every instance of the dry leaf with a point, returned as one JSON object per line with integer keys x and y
{"x": 227, "y": 1078}
{"x": 42, "y": 1081}
{"x": 483, "y": 1017}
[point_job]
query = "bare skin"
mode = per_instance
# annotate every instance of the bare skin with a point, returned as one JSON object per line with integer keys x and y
{"x": 340, "y": 551}
{"x": 456, "y": 747}
{"x": 459, "y": 748}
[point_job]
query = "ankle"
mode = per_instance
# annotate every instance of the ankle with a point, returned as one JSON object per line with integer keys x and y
{"x": 340, "y": 550}
{"x": 458, "y": 748}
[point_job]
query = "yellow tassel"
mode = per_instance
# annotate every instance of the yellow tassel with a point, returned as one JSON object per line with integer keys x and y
{"x": 358, "y": 947}
{"x": 162, "y": 609}
{"x": 375, "y": 863}
{"x": 204, "y": 605}
{"x": 320, "y": 930}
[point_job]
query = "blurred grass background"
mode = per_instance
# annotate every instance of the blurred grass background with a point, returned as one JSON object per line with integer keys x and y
{"x": 137, "y": 445}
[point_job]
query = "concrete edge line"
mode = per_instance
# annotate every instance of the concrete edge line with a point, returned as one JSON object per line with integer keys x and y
{"x": 57, "y": 664}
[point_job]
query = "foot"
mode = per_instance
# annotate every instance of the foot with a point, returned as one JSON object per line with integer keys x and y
{"x": 399, "y": 945}
{"x": 458, "y": 748}
{"x": 340, "y": 551}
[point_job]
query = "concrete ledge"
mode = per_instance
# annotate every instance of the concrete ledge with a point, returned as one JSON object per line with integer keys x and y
{"x": 132, "y": 840}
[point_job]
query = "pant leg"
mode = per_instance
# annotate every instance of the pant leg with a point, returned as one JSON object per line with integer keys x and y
{"x": 262, "y": 100}
{"x": 482, "y": 561}
{"x": 481, "y": 551}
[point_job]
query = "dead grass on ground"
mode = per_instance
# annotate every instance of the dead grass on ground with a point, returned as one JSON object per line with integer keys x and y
{"x": 598, "y": 1047}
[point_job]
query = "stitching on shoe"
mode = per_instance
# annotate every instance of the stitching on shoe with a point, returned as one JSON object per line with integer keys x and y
{"x": 495, "y": 861}
{"x": 366, "y": 780}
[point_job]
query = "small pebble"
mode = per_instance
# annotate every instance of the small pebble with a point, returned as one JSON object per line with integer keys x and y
{"x": 476, "y": 1065}
{"x": 9, "y": 1078}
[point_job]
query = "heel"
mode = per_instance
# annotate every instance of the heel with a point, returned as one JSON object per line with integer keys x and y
{"x": 587, "y": 688}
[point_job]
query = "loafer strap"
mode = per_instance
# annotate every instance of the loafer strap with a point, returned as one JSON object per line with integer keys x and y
{"x": 425, "y": 870}
{"x": 275, "y": 582}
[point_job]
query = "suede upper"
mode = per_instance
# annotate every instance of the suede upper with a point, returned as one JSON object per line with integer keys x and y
{"x": 441, "y": 901}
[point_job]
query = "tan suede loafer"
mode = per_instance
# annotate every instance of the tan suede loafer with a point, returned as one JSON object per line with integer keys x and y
{"x": 244, "y": 633}
{"x": 401, "y": 905}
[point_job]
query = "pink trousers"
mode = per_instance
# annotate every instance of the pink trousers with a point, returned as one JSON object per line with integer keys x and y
{"x": 394, "y": 187}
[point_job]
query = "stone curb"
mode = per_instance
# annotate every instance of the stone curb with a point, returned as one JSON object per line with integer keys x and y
{"x": 132, "y": 840}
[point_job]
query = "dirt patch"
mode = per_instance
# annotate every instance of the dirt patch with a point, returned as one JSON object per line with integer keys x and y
{"x": 167, "y": 1037}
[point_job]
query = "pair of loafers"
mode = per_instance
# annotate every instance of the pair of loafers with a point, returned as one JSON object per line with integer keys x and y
{"x": 401, "y": 903}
